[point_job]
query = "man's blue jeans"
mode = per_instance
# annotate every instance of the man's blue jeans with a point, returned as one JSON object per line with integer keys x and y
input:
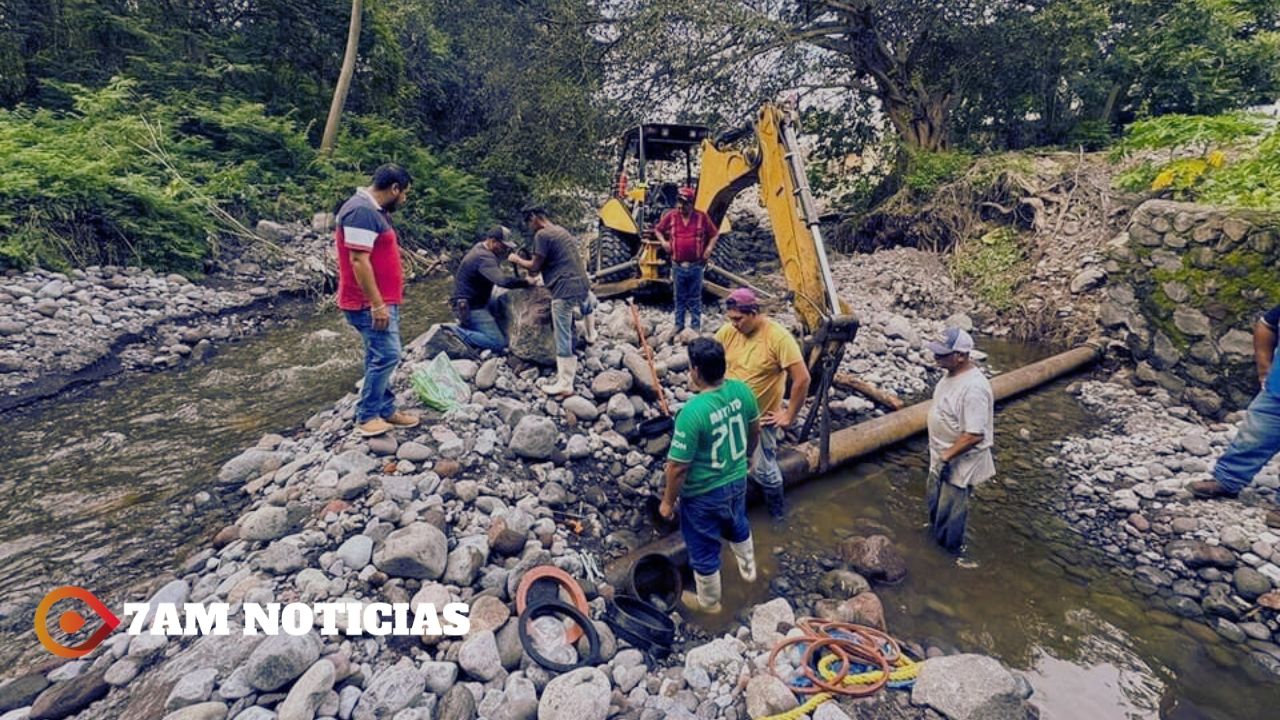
{"x": 1257, "y": 442}
{"x": 688, "y": 292}
{"x": 381, "y": 356}
{"x": 706, "y": 518}
{"x": 562, "y": 321}
{"x": 481, "y": 331}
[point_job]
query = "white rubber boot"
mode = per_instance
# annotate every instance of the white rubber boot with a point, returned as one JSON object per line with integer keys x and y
{"x": 745, "y": 552}
{"x": 707, "y": 598}
{"x": 566, "y": 368}
{"x": 589, "y": 328}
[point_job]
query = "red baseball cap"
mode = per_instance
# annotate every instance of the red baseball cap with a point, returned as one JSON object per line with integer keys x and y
{"x": 687, "y": 193}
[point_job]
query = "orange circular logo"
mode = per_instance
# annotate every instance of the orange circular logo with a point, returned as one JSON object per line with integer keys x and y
{"x": 72, "y": 621}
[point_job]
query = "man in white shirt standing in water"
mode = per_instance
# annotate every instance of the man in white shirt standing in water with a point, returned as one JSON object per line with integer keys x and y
{"x": 961, "y": 427}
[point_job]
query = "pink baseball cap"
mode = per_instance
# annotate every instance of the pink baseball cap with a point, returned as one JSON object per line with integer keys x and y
{"x": 744, "y": 299}
{"x": 687, "y": 193}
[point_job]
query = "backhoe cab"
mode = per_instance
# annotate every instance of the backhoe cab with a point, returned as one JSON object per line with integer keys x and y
{"x": 654, "y": 161}
{"x": 625, "y": 258}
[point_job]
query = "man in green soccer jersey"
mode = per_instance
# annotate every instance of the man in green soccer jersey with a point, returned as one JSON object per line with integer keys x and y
{"x": 707, "y": 469}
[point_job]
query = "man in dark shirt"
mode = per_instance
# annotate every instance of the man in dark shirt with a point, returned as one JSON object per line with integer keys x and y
{"x": 473, "y": 290}
{"x": 1259, "y": 438}
{"x": 555, "y": 256}
{"x": 689, "y": 237}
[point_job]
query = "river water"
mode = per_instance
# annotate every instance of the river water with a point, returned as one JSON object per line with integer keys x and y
{"x": 96, "y": 489}
{"x": 1040, "y": 599}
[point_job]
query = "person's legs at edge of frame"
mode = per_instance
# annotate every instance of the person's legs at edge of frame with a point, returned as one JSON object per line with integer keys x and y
{"x": 735, "y": 528}
{"x": 1254, "y": 446}
{"x": 766, "y": 473}
{"x": 566, "y": 361}
{"x": 381, "y": 356}
{"x": 700, "y": 525}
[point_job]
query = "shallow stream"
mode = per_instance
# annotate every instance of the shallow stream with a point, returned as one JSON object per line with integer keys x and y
{"x": 96, "y": 490}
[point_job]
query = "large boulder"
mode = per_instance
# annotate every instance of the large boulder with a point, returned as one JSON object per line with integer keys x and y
{"x": 969, "y": 687}
{"x": 70, "y": 696}
{"x": 418, "y": 551}
{"x": 875, "y": 558}
{"x": 525, "y": 318}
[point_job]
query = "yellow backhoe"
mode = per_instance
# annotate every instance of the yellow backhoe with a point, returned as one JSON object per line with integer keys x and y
{"x": 625, "y": 259}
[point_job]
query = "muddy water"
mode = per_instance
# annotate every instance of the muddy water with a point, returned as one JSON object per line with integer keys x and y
{"x": 97, "y": 488}
{"x": 1039, "y": 599}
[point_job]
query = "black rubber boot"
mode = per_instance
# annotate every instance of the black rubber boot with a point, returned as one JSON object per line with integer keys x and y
{"x": 776, "y": 502}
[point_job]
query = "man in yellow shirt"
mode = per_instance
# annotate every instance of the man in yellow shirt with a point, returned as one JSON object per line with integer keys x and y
{"x": 761, "y": 353}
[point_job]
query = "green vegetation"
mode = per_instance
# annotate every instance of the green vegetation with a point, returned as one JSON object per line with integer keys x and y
{"x": 991, "y": 266}
{"x": 927, "y": 171}
{"x": 1213, "y": 159}
{"x": 123, "y": 178}
{"x": 145, "y": 132}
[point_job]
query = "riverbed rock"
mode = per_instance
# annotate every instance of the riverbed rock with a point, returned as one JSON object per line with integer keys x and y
{"x": 769, "y": 621}
{"x": 581, "y": 694}
{"x": 875, "y": 558}
{"x": 307, "y": 693}
{"x": 356, "y": 551}
{"x": 70, "y": 696}
{"x": 723, "y": 655}
{"x": 479, "y": 656}
{"x": 1250, "y": 583}
{"x": 582, "y": 408}
{"x": 767, "y": 695}
{"x": 610, "y": 383}
{"x": 390, "y": 691}
{"x": 1197, "y": 554}
{"x": 212, "y": 710}
{"x": 457, "y": 704}
{"x": 279, "y": 659}
{"x": 247, "y": 466}
{"x": 969, "y": 687}
{"x": 21, "y": 691}
{"x": 418, "y": 551}
{"x": 191, "y": 689}
{"x": 534, "y": 437}
{"x": 266, "y": 523}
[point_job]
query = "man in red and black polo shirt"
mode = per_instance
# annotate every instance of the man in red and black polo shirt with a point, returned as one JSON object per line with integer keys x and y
{"x": 370, "y": 290}
{"x": 688, "y": 236}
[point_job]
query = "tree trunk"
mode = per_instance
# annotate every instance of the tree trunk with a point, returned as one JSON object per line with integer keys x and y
{"x": 921, "y": 122}
{"x": 344, "y": 79}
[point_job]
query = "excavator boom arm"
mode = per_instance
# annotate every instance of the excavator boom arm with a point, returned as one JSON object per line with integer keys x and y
{"x": 775, "y": 163}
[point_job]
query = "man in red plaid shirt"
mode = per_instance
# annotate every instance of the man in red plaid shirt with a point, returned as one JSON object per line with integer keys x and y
{"x": 688, "y": 236}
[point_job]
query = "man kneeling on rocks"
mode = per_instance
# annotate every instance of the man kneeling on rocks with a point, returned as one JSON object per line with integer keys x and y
{"x": 1259, "y": 438}
{"x": 715, "y": 433}
{"x": 473, "y": 290}
{"x": 961, "y": 429}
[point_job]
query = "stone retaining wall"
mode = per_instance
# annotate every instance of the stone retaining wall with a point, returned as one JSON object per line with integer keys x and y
{"x": 1192, "y": 281}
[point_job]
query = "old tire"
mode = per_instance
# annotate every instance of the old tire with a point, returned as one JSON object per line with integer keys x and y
{"x": 611, "y": 250}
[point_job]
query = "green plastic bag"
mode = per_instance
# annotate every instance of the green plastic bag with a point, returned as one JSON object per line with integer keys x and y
{"x": 439, "y": 386}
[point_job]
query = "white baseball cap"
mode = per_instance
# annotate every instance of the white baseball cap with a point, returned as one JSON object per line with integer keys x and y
{"x": 954, "y": 340}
